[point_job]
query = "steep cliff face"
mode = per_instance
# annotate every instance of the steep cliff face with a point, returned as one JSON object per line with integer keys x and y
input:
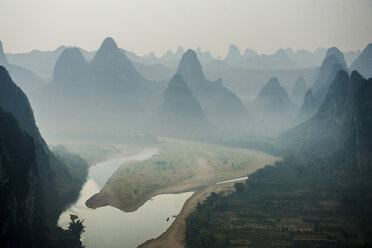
{"x": 53, "y": 174}
{"x": 30, "y": 174}
{"x": 309, "y": 104}
{"x": 18, "y": 183}
{"x": 343, "y": 121}
{"x": 333, "y": 62}
{"x": 358, "y": 145}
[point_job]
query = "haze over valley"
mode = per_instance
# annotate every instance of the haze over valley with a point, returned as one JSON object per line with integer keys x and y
{"x": 228, "y": 124}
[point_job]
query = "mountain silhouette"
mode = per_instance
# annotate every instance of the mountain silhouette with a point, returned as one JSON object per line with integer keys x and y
{"x": 273, "y": 99}
{"x": 180, "y": 110}
{"x": 24, "y": 78}
{"x": 19, "y": 182}
{"x": 110, "y": 65}
{"x": 333, "y": 62}
{"x": 52, "y": 173}
{"x": 233, "y": 56}
{"x": 363, "y": 63}
{"x": 215, "y": 99}
{"x": 70, "y": 66}
{"x": 299, "y": 89}
{"x": 340, "y": 121}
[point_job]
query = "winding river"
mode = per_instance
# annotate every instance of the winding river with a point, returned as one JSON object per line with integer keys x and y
{"x": 111, "y": 227}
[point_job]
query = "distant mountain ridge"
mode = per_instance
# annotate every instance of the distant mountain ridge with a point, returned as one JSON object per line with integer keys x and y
{"x": 109, "y": 77}
{"x": 24, "y": 78}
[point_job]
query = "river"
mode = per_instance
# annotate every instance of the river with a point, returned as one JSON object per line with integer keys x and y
{"x": 111, "y": 227}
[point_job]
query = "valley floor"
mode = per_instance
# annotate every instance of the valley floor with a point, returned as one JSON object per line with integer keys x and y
{"x": 181, "y": 166}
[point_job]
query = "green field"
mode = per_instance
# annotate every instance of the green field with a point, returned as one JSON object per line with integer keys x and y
{"x": 178, "y": 167}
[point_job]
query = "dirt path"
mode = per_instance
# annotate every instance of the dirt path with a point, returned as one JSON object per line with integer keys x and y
{"x": 174, "y": 237}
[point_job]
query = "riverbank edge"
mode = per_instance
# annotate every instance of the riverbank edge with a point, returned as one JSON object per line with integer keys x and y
{"x": 174, "y": 236}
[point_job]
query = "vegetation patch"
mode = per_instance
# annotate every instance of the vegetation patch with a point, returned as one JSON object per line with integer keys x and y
{"x": 180, "y": 166}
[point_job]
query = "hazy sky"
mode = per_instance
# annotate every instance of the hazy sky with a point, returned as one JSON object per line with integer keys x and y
{"x": 157, "y": 25}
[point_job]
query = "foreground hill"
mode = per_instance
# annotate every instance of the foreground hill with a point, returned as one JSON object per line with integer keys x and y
{"x": 344, "y": 112}
{"x": 51, "y": 182}
{"x": 18, "y": 188}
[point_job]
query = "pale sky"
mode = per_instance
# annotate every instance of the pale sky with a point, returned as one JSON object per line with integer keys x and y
{"x": 142, "y": 26}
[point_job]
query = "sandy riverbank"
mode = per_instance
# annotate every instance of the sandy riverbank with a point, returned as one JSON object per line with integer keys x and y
{"x": 174, "y": 237}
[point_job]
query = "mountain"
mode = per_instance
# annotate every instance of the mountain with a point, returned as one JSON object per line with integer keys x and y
{"x": 218, "y": 66}
{"x": 276, "y": 61}
{"x": 299, "y": 89}
{"x": 333, "y": 57}
{"x": 14, "y": 101}
{"x": 303, "y": 58}
{"x": 171, "y": 59}
{"x": 18, "y": 183}
{"x": 308, "y": 107}
{"x": 217, "y": 101}
{"x": 25, "y": 78}
{"x": 252, "y": 61}
{"x": 149, "y": 59}
{"x": 272, "y": 100}
{"x": 358, "y": 144}
{"x": 363, "y": 63}
{"x": 180, "y": 110}
{"x": 57, "y": 182}
{"x": 112, "y": 66}
{"x": 39, "y": 62}
{"x": 249, "y": 53}
{"x": 42, "y": 62}
{"x": 341, "y": 120}
{"x": 233, "y": 57}
{"x": 110, "y": 77}
{"x": 70, "y": 67}
{"x": 333, "y": 62}
{"x": 178, "y": 100}
{"x": 204, "y": 57}
{"x": 108, "y": 88}
{"x": 350, "y": 56}
{"x": 271, "y": 111}
{"x": 157, "y": 72}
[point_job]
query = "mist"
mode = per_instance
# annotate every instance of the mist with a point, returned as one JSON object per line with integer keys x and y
{"x": 189, "y": 124}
